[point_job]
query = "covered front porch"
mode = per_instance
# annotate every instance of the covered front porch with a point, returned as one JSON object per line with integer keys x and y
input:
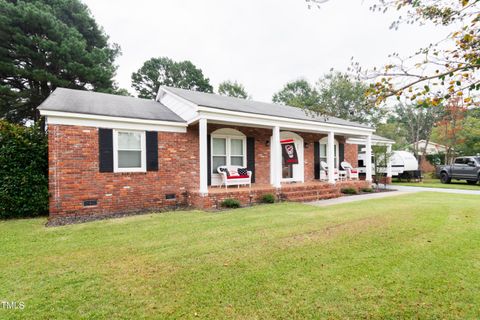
{"x": 258, "y": 148}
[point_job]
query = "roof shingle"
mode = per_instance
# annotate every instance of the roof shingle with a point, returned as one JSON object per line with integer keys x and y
{"x": 88, "y": 102}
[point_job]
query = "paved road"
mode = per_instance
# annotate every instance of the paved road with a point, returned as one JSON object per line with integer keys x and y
{"x": 400, "y": 190}
{"x": 420, "y": 189}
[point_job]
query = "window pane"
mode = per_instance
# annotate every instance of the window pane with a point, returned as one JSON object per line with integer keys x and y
{"x": 236, "y": 161}
{"x": 129, "y": 159}
{"x": 219, "y": 146}
{"x": 217, "y": 162}
{"x": 129, "y": 140}
{"x": 236, "y": 147}
{"x": 323, "y": 150}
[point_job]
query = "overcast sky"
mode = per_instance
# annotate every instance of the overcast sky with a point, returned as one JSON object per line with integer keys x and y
{"x": 261, "y": 43}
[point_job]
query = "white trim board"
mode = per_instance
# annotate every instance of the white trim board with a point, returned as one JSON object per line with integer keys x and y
{"x": 88, "y": 120}
{"x": 253, "y": 120}
{"x": 361, "y": 141}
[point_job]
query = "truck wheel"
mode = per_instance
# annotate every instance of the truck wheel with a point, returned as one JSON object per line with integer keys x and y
{"x": 444, "y": 178}
{"x": 472, "y": 181}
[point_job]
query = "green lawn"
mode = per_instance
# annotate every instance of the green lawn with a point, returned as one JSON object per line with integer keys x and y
{"x": 411, "y": 256}
{"x": 435, "y": 183}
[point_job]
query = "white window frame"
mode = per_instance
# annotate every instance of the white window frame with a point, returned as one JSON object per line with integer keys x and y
{"x": 324, "y": 141}
{"x": 228, "y": 139}
{"x": 143, "y": 167}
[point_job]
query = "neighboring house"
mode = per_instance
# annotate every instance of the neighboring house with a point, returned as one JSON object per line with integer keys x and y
{"x": 114, "y": 154}
{"x": 432, "y": 147}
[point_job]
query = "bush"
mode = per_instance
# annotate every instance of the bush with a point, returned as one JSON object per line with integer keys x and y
{"x": 23, "y": 171}
{"x": 436, "y": 159}
{"x": 349, "y": 191}
{"x": 268, "y": 198}
{"x": 231, "y": 203}
{"x": 367, "y": 190}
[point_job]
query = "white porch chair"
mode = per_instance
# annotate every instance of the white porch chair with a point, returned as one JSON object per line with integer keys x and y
{"x": 325, "y": 169}
{"x": 234, "y": 178}
{"x": 323, "y": 175}
{"x": 352, "y": 173}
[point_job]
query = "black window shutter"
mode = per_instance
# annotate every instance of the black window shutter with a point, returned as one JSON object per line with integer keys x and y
{"x": 209, "y": 162}
{"x": 341, "y": 153}
{"x": 251, "y": 156}
{"x": 152, "y": 150}
{"x": 316, "y": 159}
{"x": 105, "y": 150}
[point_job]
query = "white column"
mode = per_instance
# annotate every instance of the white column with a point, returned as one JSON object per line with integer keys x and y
{"x": 331, "y": 157}
{"x": 203, "y": 155}
{"x": 276, "y": 158}
{"x": 389, "y": 162}
{"x": 368, "y": 158}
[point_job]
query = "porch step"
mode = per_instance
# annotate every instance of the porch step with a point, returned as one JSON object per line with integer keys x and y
{"x": 305, "y": 193}
{"x": 294, "y": 187}
{"x": 309, "y": 192}
{"x": 309, "y": 198}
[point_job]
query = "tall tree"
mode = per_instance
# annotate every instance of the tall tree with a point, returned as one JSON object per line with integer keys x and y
{"x": 233, "y": 89}
{"x": 395, "y": 130}
{"x": 439, "y": 71}
{"x": 335, "y": 95}
{"x": 449, "y": 128}
{"x": 342, "y": 97}
{"x": 298, "y": 93}
{"x": 163, "y": 71}
{"x": 46, "y": 44}
{"x": 470, "y": 134}
{"x": 419, "y": 123}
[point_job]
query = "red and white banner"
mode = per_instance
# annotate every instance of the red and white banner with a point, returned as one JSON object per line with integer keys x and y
{"x": 289, "y": 152}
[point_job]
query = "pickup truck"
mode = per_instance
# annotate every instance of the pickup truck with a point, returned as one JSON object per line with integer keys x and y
{"x": 463, "y": 168}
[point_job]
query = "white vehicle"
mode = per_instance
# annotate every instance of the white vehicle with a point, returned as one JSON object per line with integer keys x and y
{"x": 403, "y": 163}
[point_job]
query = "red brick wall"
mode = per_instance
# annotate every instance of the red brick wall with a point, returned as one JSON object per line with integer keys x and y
{"x": 74, "y": 175}
{"x": 426, "y": 166}
{"x": 351, "y": 154}
{"x": 74, "y": 170}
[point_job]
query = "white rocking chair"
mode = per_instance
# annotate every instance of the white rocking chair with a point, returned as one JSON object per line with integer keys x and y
{"x": 352, "y": 173}
{"x": 324, "y": 169}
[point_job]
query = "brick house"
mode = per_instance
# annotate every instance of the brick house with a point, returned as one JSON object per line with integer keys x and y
{"x": 112, "y": 154}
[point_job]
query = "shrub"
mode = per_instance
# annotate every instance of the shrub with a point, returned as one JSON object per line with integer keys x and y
{"x": 23, "y": 171}
{"x": 367, "y": 190}
{"x": 268, "y": 198}
{"x": 231, "y": 203}
{"x": 349, "y": 191}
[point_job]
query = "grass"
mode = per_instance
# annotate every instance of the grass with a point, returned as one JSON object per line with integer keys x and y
{"x": 411, "y": 256}
{"x": 435, "y": 183}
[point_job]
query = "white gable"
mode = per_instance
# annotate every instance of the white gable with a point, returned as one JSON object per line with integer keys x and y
{"x": 183, "y": 108}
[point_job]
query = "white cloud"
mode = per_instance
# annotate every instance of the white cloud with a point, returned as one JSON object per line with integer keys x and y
{"x": 262, "y": 44}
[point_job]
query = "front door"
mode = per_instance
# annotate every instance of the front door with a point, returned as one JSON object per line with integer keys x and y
{"x": 290, "y": 172}
{"x": 287, "y": 170}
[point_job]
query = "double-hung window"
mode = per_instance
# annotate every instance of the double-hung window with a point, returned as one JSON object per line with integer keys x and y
{"x": 129, "y": 151}
{"x": 228, "y": 151}
{"x": 324, "y": 151}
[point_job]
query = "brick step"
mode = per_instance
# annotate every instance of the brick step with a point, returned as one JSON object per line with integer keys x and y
{"x": 300, "y": 193}
{"x": 306, "y": 188}
{"x": 314, "y": 198}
